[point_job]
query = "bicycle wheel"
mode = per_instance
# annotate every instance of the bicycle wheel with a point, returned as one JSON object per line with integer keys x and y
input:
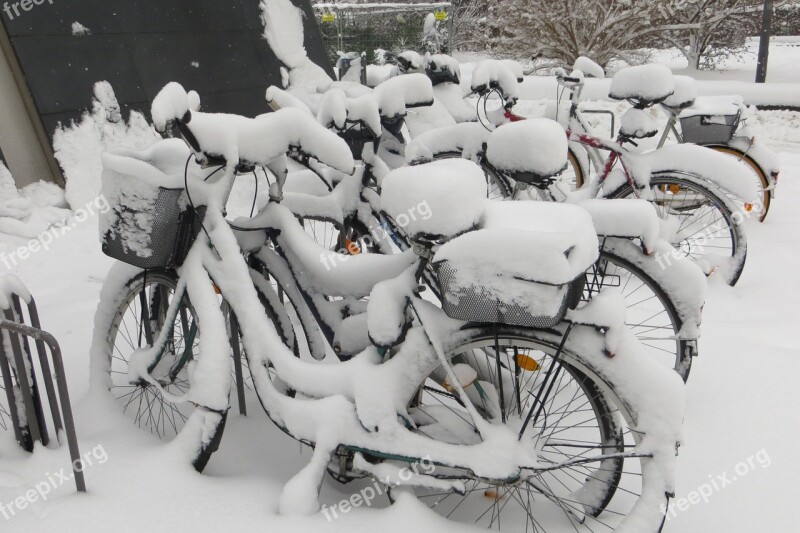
{"x": 573, "y": 174}
{"x": 139, "y": 318}
{"x": 698, "y": 220}
{"x": 575, "y": 421}
{"x": 759, "y": 177}
{"x": 650, "y": 313}
{"x": 497, "y": 186}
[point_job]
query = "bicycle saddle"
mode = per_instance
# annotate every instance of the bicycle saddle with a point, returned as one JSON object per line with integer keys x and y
{"x": 643, "y": 85}
{"x": 443, "y": 69}
{"x": 396, "y": 95}
{"x": 435, "y": 201}
{"x": 495, "y": 74}
{"x": 531, "y": 150}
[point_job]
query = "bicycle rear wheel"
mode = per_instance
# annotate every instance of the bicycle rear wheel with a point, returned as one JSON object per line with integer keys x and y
{"x": 650, "y": 313}
{"x": 699, "y": 221}
{"x": 575, "y": 422}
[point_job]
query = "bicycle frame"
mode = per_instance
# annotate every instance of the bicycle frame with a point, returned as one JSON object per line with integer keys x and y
{"x": 593, "y": 146}
{"x": 216, "y": 257}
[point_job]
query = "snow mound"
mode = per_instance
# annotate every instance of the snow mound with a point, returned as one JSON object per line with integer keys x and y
{"x": 467, "y": 139}
{"x": 78, "y": 146}
{"x": 30, "y": 212}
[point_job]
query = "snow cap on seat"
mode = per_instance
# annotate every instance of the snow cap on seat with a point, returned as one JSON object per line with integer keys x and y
{"x": 538, "y": 146}
{"x": 648, "y": 83}
{"x": 439, "y": 199}
{"x": 589, "y": 67}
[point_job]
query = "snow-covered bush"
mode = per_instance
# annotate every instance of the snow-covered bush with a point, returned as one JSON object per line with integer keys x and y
{"x": 78, "y": 145}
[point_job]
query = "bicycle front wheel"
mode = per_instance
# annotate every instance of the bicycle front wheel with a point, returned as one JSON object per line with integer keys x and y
{"x": 140, "y": 317}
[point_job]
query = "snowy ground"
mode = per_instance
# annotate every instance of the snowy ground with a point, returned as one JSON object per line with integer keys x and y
{"x": 742, "y": 422}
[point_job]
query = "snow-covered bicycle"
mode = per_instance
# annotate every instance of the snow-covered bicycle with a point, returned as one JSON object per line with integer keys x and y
{"x": 691, "y": 187}
{"x": 663, "y": 308}
{"x": 557, "y": 427}
{"x": 719, "y": 123}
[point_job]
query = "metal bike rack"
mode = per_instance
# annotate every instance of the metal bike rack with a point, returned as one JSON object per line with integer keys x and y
{"x": 16, "y": 335}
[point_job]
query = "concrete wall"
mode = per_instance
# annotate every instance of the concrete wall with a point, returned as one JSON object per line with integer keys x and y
{"x": 19, "y": 144}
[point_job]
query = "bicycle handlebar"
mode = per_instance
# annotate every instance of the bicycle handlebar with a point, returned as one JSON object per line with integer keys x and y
{"x": 569, "y": 81}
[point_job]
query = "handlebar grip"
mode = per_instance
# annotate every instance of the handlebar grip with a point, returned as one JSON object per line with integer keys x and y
{"x": 570, "y": 79}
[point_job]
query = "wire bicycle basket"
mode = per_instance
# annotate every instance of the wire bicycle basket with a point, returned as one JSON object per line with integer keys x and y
{"x": 147, "y": 226}
{"x": 531, "y": 304}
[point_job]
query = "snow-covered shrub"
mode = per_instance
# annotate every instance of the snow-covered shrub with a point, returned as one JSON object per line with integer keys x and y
{"x": 78, "y": 145}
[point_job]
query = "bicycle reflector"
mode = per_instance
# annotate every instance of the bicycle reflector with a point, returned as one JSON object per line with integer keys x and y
{"x": 352, "y": 247}
{"x": 527, "y": 363}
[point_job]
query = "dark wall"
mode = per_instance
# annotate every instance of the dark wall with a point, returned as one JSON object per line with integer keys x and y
{"x": 212, "y": 46}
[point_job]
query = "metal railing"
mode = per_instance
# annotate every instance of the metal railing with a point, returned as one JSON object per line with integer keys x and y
{"x": 19, "y": 379}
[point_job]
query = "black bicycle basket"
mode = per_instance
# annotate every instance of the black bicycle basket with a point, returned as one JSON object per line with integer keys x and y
{"x": 544, "y": 306}
{"x": 157, "y": 233}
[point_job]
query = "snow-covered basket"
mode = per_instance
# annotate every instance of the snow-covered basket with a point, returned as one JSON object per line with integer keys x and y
{"x": 150, "y": 223}
{"x": 533, "y": 288}
{"x": 711, "y": 120}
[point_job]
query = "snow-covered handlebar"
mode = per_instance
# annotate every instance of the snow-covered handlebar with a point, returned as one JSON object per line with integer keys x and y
{"x": 242, "y": 141}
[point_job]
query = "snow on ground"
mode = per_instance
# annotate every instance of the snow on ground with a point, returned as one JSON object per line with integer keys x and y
{"x": 741, "y": 425}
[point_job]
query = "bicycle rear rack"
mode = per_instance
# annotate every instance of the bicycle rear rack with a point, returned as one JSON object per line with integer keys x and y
{"x": 22, "y": 387}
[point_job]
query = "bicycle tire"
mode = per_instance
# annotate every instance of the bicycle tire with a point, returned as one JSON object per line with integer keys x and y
{"x": 766, "y": 196}
{"x": 159, "y": 283}
{"x": 615, "y": 475}
{"x": 681, "y": 361}
{"x": 732, "y": 232}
